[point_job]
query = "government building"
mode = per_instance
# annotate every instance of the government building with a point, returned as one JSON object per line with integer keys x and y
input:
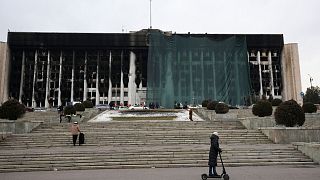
{"x": 147, "y": 66}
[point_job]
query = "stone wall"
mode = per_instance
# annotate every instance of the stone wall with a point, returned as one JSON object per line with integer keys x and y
{"x": 232, "y": 114}
{"x": 310, "y": 149}
{"x": 17, "y": 127}
{"x": 287, "y": 135}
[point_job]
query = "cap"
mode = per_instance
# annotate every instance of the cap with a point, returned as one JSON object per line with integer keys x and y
{"x": 215, "y": 133}
{"x": 75, "y": 122}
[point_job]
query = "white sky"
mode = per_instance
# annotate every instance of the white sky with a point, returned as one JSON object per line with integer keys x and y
{"x": 298, "y": 20}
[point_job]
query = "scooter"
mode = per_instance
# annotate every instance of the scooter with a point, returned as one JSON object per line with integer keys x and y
{"x": 223, "y": 176}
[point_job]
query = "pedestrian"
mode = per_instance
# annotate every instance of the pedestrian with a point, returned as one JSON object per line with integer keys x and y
{"x": 60, "y": 112}
{"x": 75, "y": 130}
{"x": 213, "y": 154}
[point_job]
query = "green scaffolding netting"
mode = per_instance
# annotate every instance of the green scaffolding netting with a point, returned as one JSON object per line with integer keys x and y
{"x": 187, "y": 69}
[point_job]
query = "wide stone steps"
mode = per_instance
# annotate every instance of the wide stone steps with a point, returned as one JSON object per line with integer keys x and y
{"x": 142, "y": 145}
{"x": 79, "y": 158}
{"x": 142, "y": 138}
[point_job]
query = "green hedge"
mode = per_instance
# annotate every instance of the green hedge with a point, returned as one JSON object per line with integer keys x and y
{"x": 309, "y": 107}
{"x": 69, "y": 110}
{"x": 212, "y": 105}
{"x": 290, "y": 114}
{"x": 262, "y": 108}
{"x": 12, "y": 110}
{"x": 88, "y": 104}
{"x": 79, "y": 107}
{"x": 222, "y": 108}
{"x": 205, "y": 103}
{"x": 276, "y": 102}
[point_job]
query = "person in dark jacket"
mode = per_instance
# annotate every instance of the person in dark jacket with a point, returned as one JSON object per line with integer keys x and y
{"x": 213, "y": 154}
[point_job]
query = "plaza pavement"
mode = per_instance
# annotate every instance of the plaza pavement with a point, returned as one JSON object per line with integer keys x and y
{"x": 235, "y": 173}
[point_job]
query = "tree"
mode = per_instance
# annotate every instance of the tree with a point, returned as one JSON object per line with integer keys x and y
{"x": 312, "y": 95}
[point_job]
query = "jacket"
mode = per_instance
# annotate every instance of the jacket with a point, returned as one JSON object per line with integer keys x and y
{"x": 214, "y": 150}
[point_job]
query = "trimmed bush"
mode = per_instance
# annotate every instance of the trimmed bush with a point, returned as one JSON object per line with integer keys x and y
{"x": 222, "y": 108}
{"x": 290, "y": 114}
{"x": 205, "y": 103}
{"x": 12, "y": 110}
{"x": 69, "y": 110}
{"x": 88, "y": 104}
{"x": 276, "y": 102}
{"x": 212, "y": 105}
{"x": 262, "y": 108}
{"x": 79, "y": 107}
{"x": 309, "y": 107}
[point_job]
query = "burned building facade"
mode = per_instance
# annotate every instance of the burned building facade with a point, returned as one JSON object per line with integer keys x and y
{"x": 45, "y": 69}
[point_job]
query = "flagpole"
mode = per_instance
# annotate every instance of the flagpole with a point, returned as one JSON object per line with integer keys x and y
{"x": 150, "y": 16}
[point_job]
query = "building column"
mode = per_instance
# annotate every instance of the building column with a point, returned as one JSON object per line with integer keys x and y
{"x": 85, "y": 85}
{"x": 271, "y": 73}
{"x": 72, "y": 76}
{"x": 22, "y": 76}
{"x": 132, "y": 87}
{"x": 34, "y": 104}
{"x": 110, "y": 83}
{"x": 260, "y": 74}
{"x": 60, "y": 78}
{"x": 97, "y": 81}
{"x": 46, "y": 105}
{"x": 121, "y": 83}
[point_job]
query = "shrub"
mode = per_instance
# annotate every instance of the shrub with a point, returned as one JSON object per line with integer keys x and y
{"x": 290, "y": 114}
{"x": 212, "y": 105}
{"x": 69, "y": 110}
{"x": 262, "y": 108}
{"x": 79, "y": 107}
{"x": 309, "y": 107}
{"x": 12, "y": 110}
{"x": 2, "y": 114}
{"x": 276, "y": 102}
{"x": 221, "y": 108}
{"x": 88, "y": 104}
{"x": 205, "y": 103}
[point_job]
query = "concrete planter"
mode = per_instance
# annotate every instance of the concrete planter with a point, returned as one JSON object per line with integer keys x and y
{"x": 285, "y": 135}
{"x": 18, "y": 127}
{"x": 212, "y": 115}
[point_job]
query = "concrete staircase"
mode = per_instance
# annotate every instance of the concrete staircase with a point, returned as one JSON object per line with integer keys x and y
{"x": 142, "y": 145}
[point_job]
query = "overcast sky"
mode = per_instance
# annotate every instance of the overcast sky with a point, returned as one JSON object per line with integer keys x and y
{"x": 298, "y": 20}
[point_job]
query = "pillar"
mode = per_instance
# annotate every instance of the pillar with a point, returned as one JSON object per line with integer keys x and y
{"x": 22, "y": 76}
{"x": 72, "y": 76}
{"x": 97, "y": 81}
{"x": 110, "y": 83}
{"x": 34, "y": 104}
{"x": 260, "y": 74}
{"x": 85, "y": 85}
{"x": 271, "y": 73}
{"x": 60, "y": 78}
{"x": 121, "y": 83}
{"x": 46, "y": 104}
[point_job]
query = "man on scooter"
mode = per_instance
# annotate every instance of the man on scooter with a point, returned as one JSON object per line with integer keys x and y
{"x": 213, "y": 154}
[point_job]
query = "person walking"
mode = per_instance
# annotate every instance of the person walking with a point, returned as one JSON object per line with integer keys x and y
{"x": 75, "y": 130}
{"x": 213, "y": 154}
